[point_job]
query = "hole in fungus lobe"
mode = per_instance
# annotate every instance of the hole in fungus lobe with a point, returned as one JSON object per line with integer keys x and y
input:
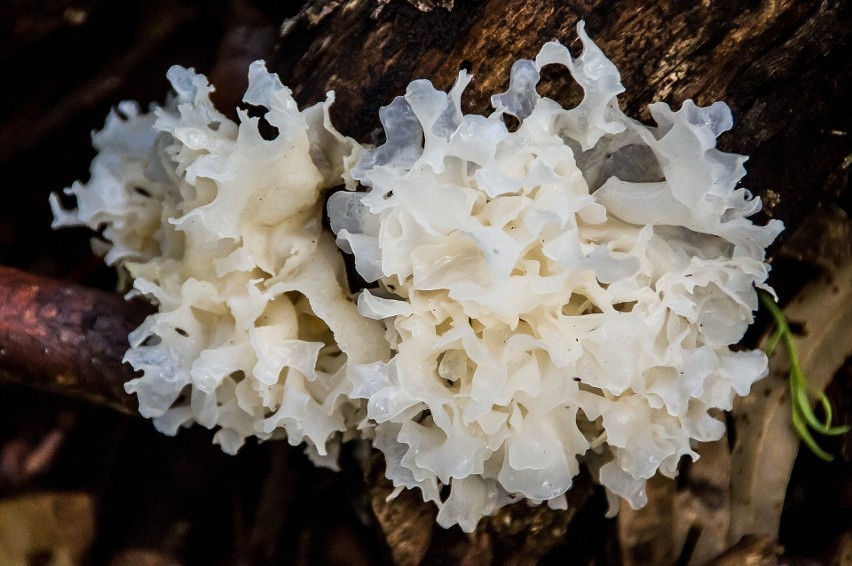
{"x": 310, "y": 327}
{"x": 581, "y": 308}
{"x": 592, "y": 309}
{"x": 182, "y": 332}
{"x": 277, "y": 311}
{"x": 477, "y": 326}
{"x": 152, "y": 340}
{"x": 378, "y": 137}
{"x": 214, "y": 125}
{"x": 184, "y": 396}
{"x": 266, "y": 130}
{"x": 445, "y": 326}
{"x": 624, "y": 307}
{"x": 142, "y": 192}
{"x": 556, "y": 82}
{"x": 512, "y": 123}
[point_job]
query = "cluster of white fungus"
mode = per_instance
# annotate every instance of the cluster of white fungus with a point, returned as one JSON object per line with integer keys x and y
{"x": 254, "y": 329}
{"x": 559, "y": 293}
{"x": 564, "y": 292}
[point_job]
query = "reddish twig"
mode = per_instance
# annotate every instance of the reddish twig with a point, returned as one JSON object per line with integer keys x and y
{"x": 66, "y": 338}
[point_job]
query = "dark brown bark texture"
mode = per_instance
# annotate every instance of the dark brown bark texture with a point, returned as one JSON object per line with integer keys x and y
{"x": 783, "y": 66}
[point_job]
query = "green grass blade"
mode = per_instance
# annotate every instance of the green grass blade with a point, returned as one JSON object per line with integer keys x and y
{"x": 805, "y": 435}
{"x": 803, "y": 417}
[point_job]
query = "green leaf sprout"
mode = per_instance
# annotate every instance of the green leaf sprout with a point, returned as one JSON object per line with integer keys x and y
{"x": 803, "y": 417}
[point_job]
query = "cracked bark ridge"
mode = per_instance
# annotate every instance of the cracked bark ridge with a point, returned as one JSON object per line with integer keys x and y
{"x": 66, "y": 338}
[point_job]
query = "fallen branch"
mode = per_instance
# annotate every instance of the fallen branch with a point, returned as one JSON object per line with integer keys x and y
{"x": 66, "y": 338}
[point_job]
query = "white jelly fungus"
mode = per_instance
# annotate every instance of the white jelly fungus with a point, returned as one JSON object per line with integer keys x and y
{"x": 254, "y": 327}
{"x": 565, "y": 292}
{"x": 562, "y": 293}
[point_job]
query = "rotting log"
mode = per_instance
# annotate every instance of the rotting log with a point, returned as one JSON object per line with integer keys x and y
{"x": 753, "y": 550}
{"x": 66, "y": 338}
{"x": 782, "y": 66}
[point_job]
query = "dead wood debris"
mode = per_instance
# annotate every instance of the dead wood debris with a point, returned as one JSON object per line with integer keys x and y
{"x": 752, "y": 550}
{"x": 686, "y": 520}
{"x": 58, "y": 527}
{"x": 766, "y": 443}
{"x": 518, "y": 535}
{"x": 66, "y": 338}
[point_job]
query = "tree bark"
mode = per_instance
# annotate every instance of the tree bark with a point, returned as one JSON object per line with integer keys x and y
{"x": 781, "y": 65}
